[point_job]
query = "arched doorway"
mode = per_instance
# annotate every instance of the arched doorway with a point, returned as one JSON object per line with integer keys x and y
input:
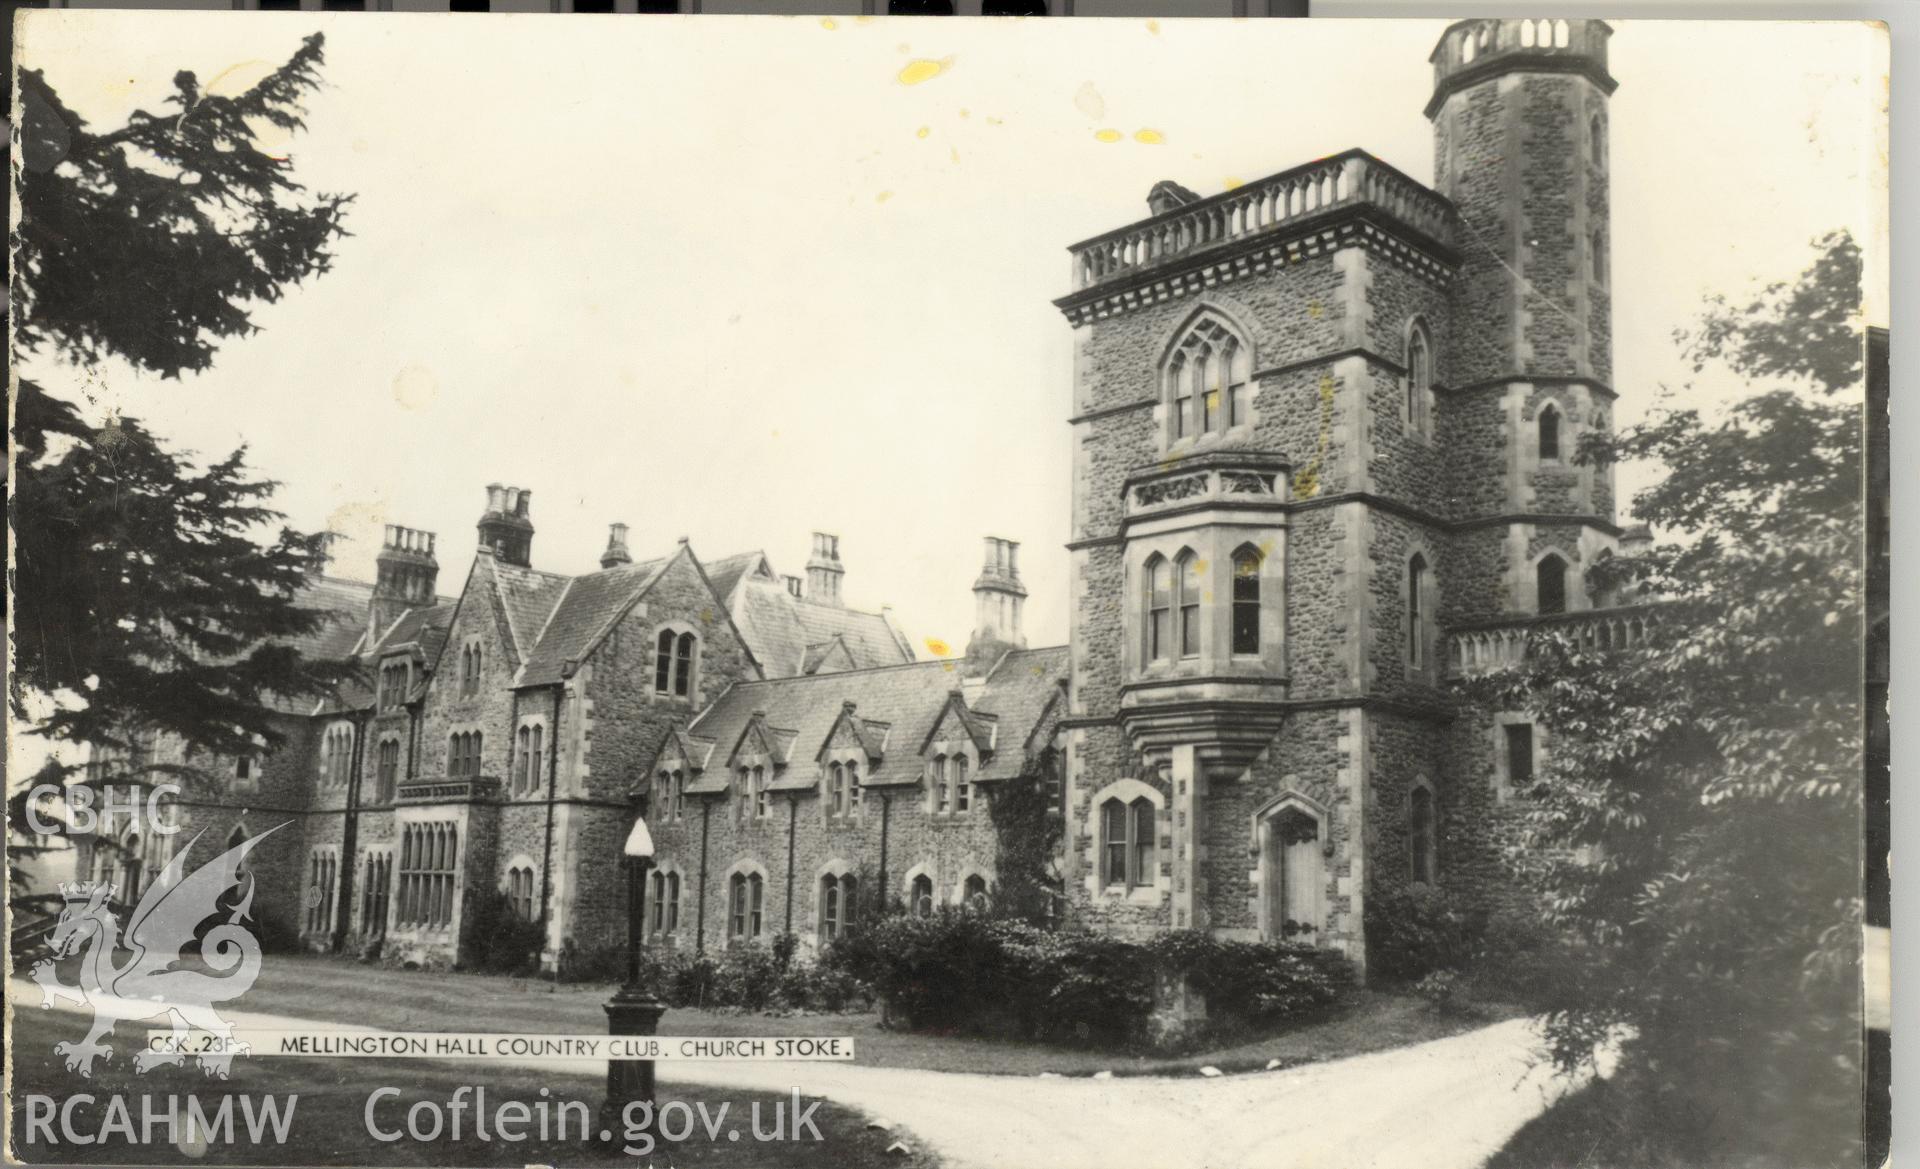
{"x": 1293, "y": 873}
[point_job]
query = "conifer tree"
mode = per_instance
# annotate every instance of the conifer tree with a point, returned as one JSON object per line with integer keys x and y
{"x": 152, "y": 593}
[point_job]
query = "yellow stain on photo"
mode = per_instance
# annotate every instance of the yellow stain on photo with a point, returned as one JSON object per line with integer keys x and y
{"x": 923, "y": 69}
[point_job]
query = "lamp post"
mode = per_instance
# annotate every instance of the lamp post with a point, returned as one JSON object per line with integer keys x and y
{"x": 632, "y": 1010}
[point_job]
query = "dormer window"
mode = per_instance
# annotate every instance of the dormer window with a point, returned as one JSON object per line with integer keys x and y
{"x": 668, "y": 786}
{"x": 962, "y": 788}
{"x": 1208, "y": 380}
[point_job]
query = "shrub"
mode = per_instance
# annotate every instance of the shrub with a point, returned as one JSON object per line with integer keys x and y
{"x": 784, "y": 947}
{"x": 1521, "y": 959}
{"x": 746, "y": 977}
{"x": 494, "y": 938}
{"x": 815, "y": 986}
{"x": 1256, "y": 981}
{"x": 1415, "y": 929}
{"x": 606, "y": 962}
{"x": 690, "y": 981}
{"x": 959, "y": 971}
{"x": 1441, "y": 990}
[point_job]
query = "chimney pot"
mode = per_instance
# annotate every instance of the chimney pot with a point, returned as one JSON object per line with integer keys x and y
{"x": 616, "y": 553}
{"x": 824, "y": 569}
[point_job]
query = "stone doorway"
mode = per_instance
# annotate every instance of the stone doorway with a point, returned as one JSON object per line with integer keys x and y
{"x": 1292, "y": 848}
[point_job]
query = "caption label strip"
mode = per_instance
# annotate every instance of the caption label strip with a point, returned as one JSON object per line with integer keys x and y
{"x": 505, "y": 1045}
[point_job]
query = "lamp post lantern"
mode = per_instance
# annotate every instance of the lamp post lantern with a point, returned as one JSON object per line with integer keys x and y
{"x": 632, "y": 1010}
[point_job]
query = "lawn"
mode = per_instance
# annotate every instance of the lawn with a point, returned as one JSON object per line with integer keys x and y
{"x": 342, "y": 990}
{"x": 327, "y": 1124}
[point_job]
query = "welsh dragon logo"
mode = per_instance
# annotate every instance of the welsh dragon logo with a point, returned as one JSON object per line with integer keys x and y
{"x": 156, "y": 980}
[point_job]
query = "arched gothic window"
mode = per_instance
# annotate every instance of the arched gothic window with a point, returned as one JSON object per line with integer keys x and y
{"x": 683, "y": 665}
{"x": 1597, "y": 140}
{"x": 1599, "y": 256}
{"x": 1159, "y": 617}
{"x": 973, "y": 894}
{"x": 1187, "y": 566}
{"x": 1208, "y": 377}
{"x": 1246, "y": 601}
{"x": 1419, "y": 403}
{"x": 747, "y": 898}
{"x": 663, "y": 663}
{"x": 1550, "y": 584}
{"x": 1549, "y": 425}
{"x": 838, "y": 897}
{"x": 921, "y": 898}
{"x": 1422, "y": 835}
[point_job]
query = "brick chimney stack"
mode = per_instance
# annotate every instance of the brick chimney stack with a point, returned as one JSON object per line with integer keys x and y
{"x": 824, "y": 570}
{"x": 505, "y": 529}
{"x": 405, "y": 576}
{"x": 616, "y": 553}
{"x": 998, "y": 598}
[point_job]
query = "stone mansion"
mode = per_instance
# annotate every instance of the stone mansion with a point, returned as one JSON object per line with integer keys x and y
{"x": 1323, "y": 435}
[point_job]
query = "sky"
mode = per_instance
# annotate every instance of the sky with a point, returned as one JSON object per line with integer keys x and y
{"x": 740, "y": 279}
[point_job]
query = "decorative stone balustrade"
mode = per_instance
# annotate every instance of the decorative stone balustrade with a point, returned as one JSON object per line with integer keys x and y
{"x": 448, "y": 790}
{"x": 1292, "y": 196}
{"x": 1483, "y": 649}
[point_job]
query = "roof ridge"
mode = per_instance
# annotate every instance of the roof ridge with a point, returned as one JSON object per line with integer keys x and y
{"x": 851, "y": 673}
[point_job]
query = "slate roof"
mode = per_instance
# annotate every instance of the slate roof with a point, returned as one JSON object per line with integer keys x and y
{"x": 345, "y": 603}
{"x": 528, "y": 595}
{"x": 424, "y": 629}
{"x": 791, "y": 635}
{"x": 869, "y": 636}
{"x": 902, "y": 703}
{"x": 343, "y": 636}
{"x": 726, "y": 572}
{"x": 587, "y": 607}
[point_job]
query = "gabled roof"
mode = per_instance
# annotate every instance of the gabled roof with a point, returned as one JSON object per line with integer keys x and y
{"x": 872, "y": 735}
{"x": 692, "y": 749}
{"x": 759, "y": 737}
{"x": 589, "y": 607}
{"x": 528, "y": 598}
{"x": 828, "y": 657}
{"x": 423, "y": 631}
{"x": 976, "y": 725}
{"x": 792, "y": 635}
{"x": 895, "y": 706}
{"x": 344, "y": 605}
{"x": 726, "y": 572}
